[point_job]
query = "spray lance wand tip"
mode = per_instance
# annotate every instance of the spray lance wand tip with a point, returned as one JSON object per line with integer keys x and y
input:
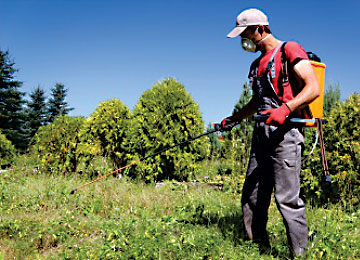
{"x": 73, "y": 191}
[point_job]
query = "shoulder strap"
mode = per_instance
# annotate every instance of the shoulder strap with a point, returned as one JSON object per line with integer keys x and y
{"x": 306, "y": 110}
{"x": 284, "y": 63}
{"x": 271, "y": 60}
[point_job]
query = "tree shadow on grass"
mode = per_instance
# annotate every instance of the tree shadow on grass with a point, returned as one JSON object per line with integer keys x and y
{"x": 232, "y": 228}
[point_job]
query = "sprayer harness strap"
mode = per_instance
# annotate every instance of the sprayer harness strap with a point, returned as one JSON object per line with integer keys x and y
{"x": 322, "y": 146}
{"x": 284, "y": 63}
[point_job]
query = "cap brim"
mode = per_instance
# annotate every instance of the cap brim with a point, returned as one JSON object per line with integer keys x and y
{"x": 236, "y": 31}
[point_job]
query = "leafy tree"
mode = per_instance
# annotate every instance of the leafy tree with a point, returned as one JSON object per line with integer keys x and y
{"x": 11, "y": 102}
{"x": 57, "y": 105}
{"x": 36, "y": 112}
{"x": 109, "y": 126}
{"x": 166, "y": 115}
{"x": 238, "y": 140}
{"x": 342, "y": 142}
{"x": 56, "y": 145}
{"x": 7, "y": 151}
{"x": 331, "y": 98}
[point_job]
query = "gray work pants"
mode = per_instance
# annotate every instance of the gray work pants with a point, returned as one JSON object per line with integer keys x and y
{"x": 275, "y": 164}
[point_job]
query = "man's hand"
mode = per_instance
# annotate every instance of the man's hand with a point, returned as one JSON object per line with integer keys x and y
{"x": 277, "y": 116}
{"x": 227, "y": 124}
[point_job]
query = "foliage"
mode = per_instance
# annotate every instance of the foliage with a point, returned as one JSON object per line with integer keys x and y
{"x": 215, "y": 148}
{"x": 109, "y": 126}
{"x": 57, "y": 106}
{"x": 11, "y": 102}
{"x": 237, "y": 144}
{"x": 164, "y": 116}
{"x": 331, "y": 98}
{"x": 342, "y": 135}
{"x": 121, "y": 220}
{"x": 36, "y": 112}
{"x": 7, "y": 151}
{"x": 56, "y": 145}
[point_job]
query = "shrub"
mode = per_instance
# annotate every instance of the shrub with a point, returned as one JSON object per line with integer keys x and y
{"x": 7, "y": 151}
{"x": 342, "y": 142}
{"x": 215, "y": 148}
{"x": 108, "y": 127}
{"x": 166, "y": 115}
{"x": 56, "y": 145}
{"x": 237, "y": 142}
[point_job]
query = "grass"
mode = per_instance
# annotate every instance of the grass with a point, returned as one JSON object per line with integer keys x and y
{"x": 116, "y": 219}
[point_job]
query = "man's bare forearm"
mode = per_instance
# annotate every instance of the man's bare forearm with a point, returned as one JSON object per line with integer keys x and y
{"x": 246, "y": 111}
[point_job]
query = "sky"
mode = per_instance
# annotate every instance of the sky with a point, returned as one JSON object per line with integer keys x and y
{"x": 103, "y": 49}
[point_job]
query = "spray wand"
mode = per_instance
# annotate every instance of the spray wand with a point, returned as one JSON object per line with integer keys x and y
{"x": 216, "y": 126}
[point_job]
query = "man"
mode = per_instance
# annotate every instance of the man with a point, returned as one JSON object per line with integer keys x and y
{"x": 283, "y": 83}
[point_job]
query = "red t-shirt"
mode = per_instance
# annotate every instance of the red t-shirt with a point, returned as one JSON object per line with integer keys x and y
{"x": 294, "y": 53}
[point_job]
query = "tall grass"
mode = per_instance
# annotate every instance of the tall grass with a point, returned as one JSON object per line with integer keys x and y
{"x": 116, "y": 219}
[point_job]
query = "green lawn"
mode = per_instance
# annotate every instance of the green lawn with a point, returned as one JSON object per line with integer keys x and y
{"x": 114, "y": 219}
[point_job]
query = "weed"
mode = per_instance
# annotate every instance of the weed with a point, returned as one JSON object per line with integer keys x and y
{"x": 116, "y": 219}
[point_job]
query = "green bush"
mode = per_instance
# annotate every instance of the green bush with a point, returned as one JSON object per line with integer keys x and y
{"x": 166, "y": 115}
{"x": 56, "y": 145}
{"x": 215, "y": 148}
{"x": 108, "y": 127}
{"x": 237, "y": 142}
{"x": 7, "y": 151}
{"x": 342, "y": 144}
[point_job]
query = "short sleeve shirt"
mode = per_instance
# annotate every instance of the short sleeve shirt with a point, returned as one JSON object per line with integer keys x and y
{"x": 294, "y": 53}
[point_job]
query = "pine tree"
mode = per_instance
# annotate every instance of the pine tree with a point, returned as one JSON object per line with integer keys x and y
{"x": 11, "y": 102}
{"x": 331, "y": 98}
{"x": 214, "y": 143}
{"x": 57, "y": 105}
{"x": 36, "y": 112}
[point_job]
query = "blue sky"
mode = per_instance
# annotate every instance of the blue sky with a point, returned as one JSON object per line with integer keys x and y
{"x": 119, "y": 49}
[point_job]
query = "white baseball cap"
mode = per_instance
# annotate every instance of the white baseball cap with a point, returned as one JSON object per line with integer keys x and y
{"x": 248, "y": 17}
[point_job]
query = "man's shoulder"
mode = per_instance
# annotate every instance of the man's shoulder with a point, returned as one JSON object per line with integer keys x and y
{"x": 295, "y": 52}
{"x": 292, "y": 45}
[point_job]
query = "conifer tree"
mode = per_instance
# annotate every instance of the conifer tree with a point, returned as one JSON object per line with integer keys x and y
{"x": 36, "y": 112}
{"x": 214, "y": 143}
{"x": 166, "y": 115}
{"x": 331, "y": 98}
{"x": 238, "y": 141}
{"x": 57, "y": 105}
{"x": 11, "y": 102}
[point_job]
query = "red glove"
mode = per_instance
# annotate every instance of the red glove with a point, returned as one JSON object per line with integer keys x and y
{"x": 226, "y": 124}
{"x": 277, "y": 116}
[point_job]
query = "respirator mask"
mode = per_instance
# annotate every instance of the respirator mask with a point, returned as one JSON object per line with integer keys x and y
{"x": 249, "y": 45}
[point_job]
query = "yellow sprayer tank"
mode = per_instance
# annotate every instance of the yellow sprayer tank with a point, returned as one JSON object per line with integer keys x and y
{"x": 317, "y": 106}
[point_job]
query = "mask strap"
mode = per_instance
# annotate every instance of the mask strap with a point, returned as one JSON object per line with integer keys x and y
{"x": 263, "y": 39}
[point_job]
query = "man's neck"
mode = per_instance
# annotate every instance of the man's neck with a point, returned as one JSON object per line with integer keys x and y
{"x": 269, "y": 44}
